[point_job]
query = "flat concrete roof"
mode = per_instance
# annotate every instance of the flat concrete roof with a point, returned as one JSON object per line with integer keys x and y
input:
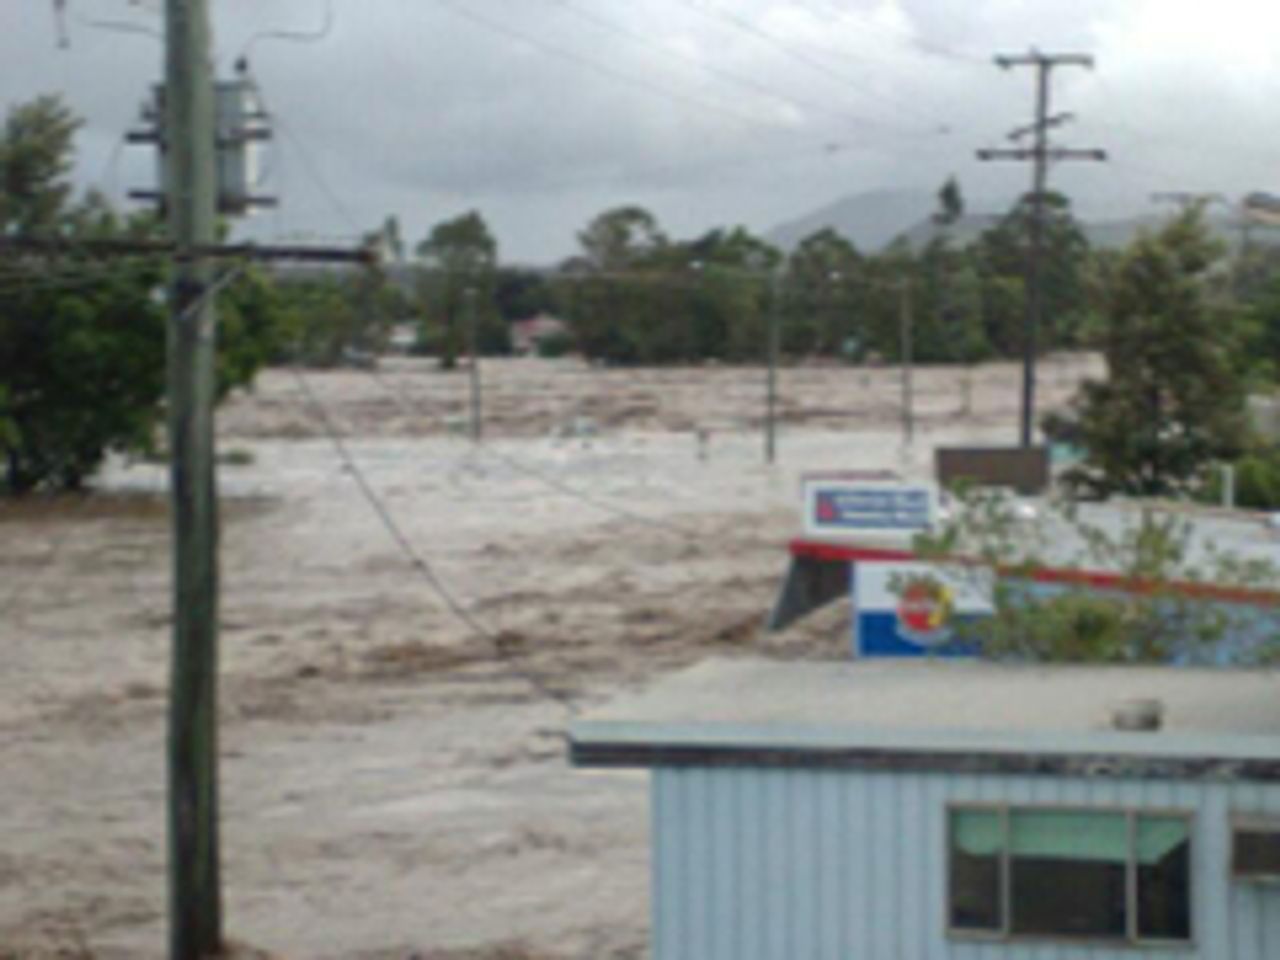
{"x": 927, "y": 715}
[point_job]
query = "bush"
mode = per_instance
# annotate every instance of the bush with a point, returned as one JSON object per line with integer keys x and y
{"x": 1257, "y": 481}
{"x": 555, "y": 345}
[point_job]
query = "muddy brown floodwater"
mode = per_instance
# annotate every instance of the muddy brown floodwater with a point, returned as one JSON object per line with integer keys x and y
{"x": 395, "y": 784}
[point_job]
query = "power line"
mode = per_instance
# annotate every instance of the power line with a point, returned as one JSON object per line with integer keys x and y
{"x": 550, "y": 481}
{"x": 313, "y": 172}
{"x": 917, "y": 45}
{"x": 747, "y": 83}
{"x": 315, "y": 35}
{"x": 587, "y": 63}
{"x": 415, "y": 559}
{"x": 813, "y": 63}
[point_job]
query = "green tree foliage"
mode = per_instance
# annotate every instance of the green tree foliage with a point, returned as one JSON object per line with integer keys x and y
{"x": 1262, "y": 341}
{"x": 950, "y": 203}
{"x": 633, "y": 296}
{"x": 252, "y": 329}
{"x": 318, "y": 319}
{"x": 611, "y": 292}
{"x": 1173, "y": 399}
{"x": 520, "y": 294}
{"x": 1154, "y": 621}
{"x": 620, "y": 239}
{"x": 947, "y": 302}
{"x": 824, "y": 278}
{"x": 1001, "y": 254}
{"x": 730, "y": 296}
{"x": 458, "y": 256}
{"x": 82, "y": 340}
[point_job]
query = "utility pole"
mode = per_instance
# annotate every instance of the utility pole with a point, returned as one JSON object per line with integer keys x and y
{"x": 1041, "y": 153}
{"x": 474, "y": 365}
{"x": 905, "y": 331}
{"x": 192, "y": 195}
{"x": 771, "y": 392}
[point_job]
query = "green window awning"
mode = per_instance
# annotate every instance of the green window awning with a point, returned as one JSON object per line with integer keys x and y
{"x": 1075, "y": 835}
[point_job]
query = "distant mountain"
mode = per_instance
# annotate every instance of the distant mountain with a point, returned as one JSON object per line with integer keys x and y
{"x": 962, "y": 233}
{"x": 869, "y": 220}
{"x": 873, "y": 220}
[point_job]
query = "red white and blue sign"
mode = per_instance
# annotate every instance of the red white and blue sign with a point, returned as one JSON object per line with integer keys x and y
{"x": 845, "y": 508}
{"x": 917, "y": 609}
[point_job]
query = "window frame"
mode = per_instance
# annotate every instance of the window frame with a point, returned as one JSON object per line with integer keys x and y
{"x": 1252, "y": 822}
{"x": 1132, "y": 937}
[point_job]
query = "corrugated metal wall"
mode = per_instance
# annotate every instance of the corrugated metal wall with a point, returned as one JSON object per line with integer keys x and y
{"x": 752, "y": 864}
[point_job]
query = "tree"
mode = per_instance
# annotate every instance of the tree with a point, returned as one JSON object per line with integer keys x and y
{"x": 824, "y": 274}
{"x": 611, "y": 297}
{"x": 621, "y": 238}
{"x": 82, "y": 340}
{"x": 1262, "y": 345}
{"x": 520, "y": 294}
{"x": 726, "y": 302}
{"x": 1154, "y": 620}
{"x": 459, "y": 260}
{"x": 1173, "y": 399}
{"x": 1002, "y": 255}
{"x": 81, "y": 363}
{"x": 950, "y": 204}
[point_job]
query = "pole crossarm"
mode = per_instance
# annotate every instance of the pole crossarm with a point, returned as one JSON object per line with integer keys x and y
{"x": 1035, "y": 58}
{"x": 108, "y": 249}
{"x": 1051, "y": 153}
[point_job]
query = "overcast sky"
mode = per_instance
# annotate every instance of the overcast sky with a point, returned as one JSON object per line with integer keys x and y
{"x": 541, "y": 113}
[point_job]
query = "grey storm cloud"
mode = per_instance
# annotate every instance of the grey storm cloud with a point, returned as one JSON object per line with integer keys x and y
{"x": 540, "y": 113}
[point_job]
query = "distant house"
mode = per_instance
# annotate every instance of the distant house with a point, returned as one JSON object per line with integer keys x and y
{"x": 404, "y": 337}
{"x": 528, "y": 335}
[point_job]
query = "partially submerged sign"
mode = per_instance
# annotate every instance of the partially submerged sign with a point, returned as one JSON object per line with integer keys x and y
{"x": 917, "y": 609}
{"x": 851, "y": 507}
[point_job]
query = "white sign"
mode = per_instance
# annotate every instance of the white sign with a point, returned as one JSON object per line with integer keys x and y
{"x": 845, "y": 508}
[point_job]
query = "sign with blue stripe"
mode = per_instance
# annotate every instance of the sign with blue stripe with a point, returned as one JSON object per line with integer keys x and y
{"x": 917, "y": 609}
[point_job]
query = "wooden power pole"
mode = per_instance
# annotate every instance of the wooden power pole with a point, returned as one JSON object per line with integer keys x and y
{"x": 473, "y": 356}
{"x": 191, "y": 195}
{"x": 773, "y": 339}
{"x": 905, "y": 331}
{"x": 1041, "y": 154}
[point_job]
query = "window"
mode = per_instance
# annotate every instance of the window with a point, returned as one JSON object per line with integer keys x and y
{"x": 1032, "y": 872}
{"x": 1255, "y": 849}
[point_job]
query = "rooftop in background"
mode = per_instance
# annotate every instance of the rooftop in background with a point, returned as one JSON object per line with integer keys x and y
{"x": 1246, "y": 536}
{"x": 1042, "y": 533}
{"x": 938, "y": 716}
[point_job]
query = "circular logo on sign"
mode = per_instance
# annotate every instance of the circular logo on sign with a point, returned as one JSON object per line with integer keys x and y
{"x": 924, "y": 611}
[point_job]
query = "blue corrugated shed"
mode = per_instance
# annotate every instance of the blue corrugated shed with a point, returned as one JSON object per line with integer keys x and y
{"x": 801, "y": 810}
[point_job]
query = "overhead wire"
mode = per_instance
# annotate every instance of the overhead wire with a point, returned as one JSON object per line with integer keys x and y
{"x": 739, "y": 158}
{"x": 588, "y": 63}
{"x": 916, "y": 44}
{"x": 744, "y": 82}
{"x": 313, "y": 172}
{"x": 814, "y": 64}
{"x": 546, "y": 479}
{"x": 121, "y": 26}
{"x": 416, "y": 560}
{"x": 315, "y": 35}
